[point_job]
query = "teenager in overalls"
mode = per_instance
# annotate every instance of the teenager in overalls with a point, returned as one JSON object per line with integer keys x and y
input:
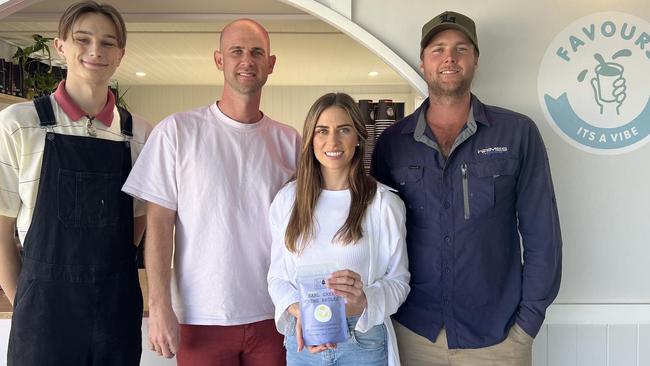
{"x": 76, "y": 297}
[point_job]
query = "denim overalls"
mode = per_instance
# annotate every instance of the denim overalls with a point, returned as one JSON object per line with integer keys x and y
{"x": 78, "y": 300}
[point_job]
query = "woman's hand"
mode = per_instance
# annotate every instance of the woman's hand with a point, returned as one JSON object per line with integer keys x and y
{"x": 294, "y": 310}
{"x": 347, "y": 284}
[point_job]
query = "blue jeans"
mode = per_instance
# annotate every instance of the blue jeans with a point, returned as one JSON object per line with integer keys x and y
{"x": 368, "y": 349}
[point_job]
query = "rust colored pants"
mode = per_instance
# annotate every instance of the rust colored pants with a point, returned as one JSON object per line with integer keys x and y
{"x": 254, "y": 344}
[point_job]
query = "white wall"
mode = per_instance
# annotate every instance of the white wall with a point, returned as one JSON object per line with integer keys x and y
{"x": 287, "y": 104}
{"x": 592, "y": 345}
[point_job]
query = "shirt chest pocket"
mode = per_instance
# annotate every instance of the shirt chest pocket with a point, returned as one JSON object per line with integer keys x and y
{"x": 488, "y": 187}
{"x": 88, "y": 199}
{"x": 410, "y": 187}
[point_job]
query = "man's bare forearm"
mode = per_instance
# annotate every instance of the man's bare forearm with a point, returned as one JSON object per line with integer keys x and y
{"x": 158, "y": 253}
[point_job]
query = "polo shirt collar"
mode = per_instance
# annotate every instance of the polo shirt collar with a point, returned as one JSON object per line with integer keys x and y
{"x": 72, "y": 110}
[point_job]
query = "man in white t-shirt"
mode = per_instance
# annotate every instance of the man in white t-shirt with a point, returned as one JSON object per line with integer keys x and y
{"x": 211, "y": 174}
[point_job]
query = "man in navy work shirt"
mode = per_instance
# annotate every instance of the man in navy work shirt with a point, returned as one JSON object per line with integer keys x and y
{"x": 474, "y": 179}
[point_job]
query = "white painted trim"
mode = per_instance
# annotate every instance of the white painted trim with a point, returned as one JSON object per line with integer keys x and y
{"x": 603, "y": 302}
{"x": 362, "y": 36}
{"x": 638, "y": 344}
{"x": 598, "y": 314}
{"x": 608, "y": 342}
{"x": 13, "y": 6}
{"x": 153, "y": 17}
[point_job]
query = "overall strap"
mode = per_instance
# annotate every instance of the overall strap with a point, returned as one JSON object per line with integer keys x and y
{"x": 45, "y": 112}
{"x": 126, "y": 122}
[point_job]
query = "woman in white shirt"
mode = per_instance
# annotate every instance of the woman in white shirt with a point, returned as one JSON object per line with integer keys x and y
{"x": 334, "y": 213}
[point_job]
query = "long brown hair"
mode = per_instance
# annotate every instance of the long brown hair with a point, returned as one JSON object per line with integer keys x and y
{"x": 309, "y": 180}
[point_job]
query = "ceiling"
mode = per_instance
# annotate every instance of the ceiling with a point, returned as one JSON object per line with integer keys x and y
{"x": 173, "y": 42}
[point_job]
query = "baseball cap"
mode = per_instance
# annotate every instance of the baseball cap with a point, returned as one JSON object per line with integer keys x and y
{"x": 449, "y": 20}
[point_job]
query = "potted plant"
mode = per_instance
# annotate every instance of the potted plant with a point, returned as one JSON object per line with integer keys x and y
{"x": 38, "y": 78}
{"x": 119, "y": 95}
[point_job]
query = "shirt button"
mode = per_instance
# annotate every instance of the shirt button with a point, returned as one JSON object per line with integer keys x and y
{"x": 447, "y": 270}
{"x": 447, "y": 204}
{"x": 447, "y": 239}
{"x": 446, "y": 301}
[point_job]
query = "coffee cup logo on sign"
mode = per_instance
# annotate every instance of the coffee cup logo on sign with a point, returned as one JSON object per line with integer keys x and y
{"x": 609, "y": 84}
{"x": 593, "y": 83}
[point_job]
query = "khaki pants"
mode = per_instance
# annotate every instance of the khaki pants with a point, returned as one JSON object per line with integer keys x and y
{"x": 415, "y": 350}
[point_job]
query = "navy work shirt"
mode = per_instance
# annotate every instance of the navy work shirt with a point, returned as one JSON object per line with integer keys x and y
{"x": 464, "y": 219}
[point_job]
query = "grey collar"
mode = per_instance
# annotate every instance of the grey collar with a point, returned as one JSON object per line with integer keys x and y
{"x": 420, "y": 132}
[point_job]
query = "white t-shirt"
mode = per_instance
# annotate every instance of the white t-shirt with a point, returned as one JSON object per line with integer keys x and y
{"x": 220, "y": 176}
{"x": 22, "y": 143}
{"x": 330, "y": 213}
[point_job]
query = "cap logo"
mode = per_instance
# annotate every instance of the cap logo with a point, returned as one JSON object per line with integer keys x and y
{"x": 445, "y": 18}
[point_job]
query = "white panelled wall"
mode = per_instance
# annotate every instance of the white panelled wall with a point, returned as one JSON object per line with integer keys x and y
{"x": 592, "y": 345}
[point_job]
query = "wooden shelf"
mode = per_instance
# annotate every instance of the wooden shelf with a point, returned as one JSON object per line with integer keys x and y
{"x": 10, "y": 99}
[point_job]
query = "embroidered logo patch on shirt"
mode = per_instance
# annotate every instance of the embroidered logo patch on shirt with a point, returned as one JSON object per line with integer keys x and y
{"x": 492, "y": 150}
